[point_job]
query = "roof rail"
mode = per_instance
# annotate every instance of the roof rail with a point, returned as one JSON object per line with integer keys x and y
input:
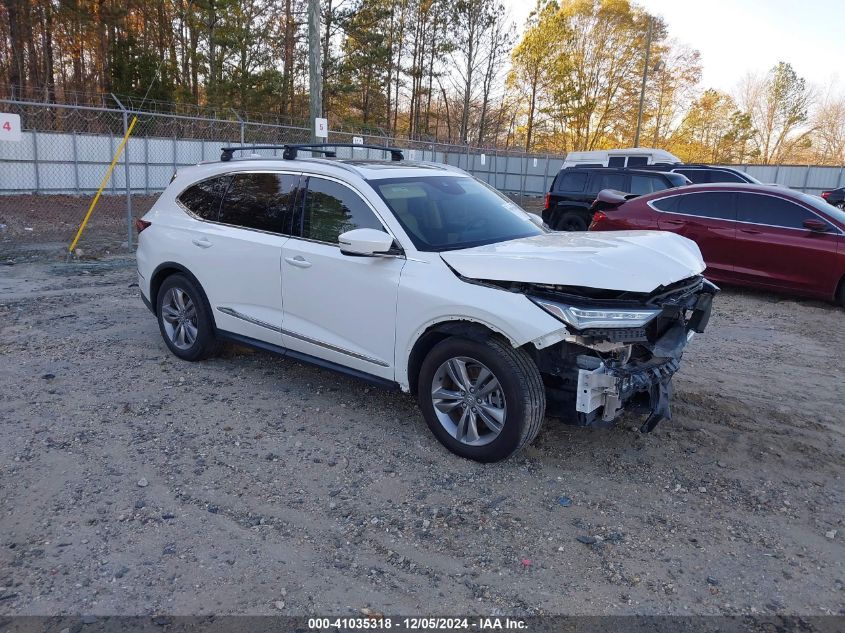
{"x": 290, "y": 151}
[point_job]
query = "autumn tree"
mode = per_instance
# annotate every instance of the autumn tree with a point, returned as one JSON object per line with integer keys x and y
{"x": 778, "y": 104}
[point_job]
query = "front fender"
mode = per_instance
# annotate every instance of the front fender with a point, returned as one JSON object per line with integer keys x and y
{"x": 430, "y": 295}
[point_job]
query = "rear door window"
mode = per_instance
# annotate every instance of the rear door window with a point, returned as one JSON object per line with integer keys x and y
{"x": 203, "y": 199}
{"x": 720, "y": 175}
{"x": 616, "y": 161}
{"x": 572, "y": 182}
{"x": 771, "y": 210}
{"x": 600, "y": 181}
{"x": 642, "y": 185}
{"x": 330, "y": 209}
{"x": 696, "y": 176}
{"x": 262, "y": 201}
{"x": 633, "y": 161}
{"x": 718, "y": 205}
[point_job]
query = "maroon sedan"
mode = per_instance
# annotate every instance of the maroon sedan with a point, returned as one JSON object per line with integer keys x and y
{"x": 755, "y": 235}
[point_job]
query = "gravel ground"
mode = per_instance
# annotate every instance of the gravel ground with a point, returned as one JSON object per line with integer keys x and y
{"x": 134, "y": 483}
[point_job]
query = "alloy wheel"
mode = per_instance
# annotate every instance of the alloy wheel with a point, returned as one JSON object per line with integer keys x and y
{"x": 179, "y": 317}
{"x": 468, "y": 401}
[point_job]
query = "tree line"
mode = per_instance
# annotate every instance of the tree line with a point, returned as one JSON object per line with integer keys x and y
{"x": 455, "y": 71}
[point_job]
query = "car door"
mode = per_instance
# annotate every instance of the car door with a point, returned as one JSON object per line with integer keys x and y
{"x": 708, "y": 219}
{"x": 236, "y": 255}
{"x": 339, "y": 308}
{"x": 774, "y": 248}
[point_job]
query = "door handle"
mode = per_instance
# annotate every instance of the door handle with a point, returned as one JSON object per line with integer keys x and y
{"x": 751, "y": 231}
{"x": 299, "y": 261}
{"x": 202, "y": 242}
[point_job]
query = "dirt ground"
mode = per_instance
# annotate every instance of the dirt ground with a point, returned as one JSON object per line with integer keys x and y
{"x": 134, "y": 483}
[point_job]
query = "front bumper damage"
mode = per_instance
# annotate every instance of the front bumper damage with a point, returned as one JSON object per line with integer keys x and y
{"x": 627, "y": 370}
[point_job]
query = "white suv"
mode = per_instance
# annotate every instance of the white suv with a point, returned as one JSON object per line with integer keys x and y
{"x": 419, "y": 276}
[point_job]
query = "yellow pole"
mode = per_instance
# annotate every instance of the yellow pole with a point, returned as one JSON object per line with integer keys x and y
{"x": 104, "y": 183}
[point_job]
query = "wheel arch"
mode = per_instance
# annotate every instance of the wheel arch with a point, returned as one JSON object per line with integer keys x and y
{"x": 167, "y": 269}
{"x": 439, "y": 331}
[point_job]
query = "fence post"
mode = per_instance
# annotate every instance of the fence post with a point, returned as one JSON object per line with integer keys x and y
{"x": 126, "y": 175}
{"x": 546, "y": 174}
{"x": 75, "y": 164}
{"x": 35, "y": 159}
{"x": 806, "y": 179}
{"x": 240, "y": 124}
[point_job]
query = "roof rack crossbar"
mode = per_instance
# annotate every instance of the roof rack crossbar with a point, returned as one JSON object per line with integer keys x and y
{"x": 290, "y": 150}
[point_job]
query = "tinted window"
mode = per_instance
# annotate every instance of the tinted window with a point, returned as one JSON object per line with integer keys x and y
{"x": 572, "y": 181}
{"x": 669, "y": 204}
{"x": 442, "y": 213}
{"x": 677, "y": 180}
{"x": 720, "y": 175}
{"x": 608, "y": 181}
{"x": 712, "y": 204}
{"x": 616, "y": 161}
{"x": 331, "y": 209}
{"x": 260, "y": 201}
{"x": 637, "y": 160}
{"x": 203, "y": 199}
{"x": 696, "y": 176}
{"x": 761, "y": 209}
{"x": 822, "y": 205}
{"x": 641, "y": 185}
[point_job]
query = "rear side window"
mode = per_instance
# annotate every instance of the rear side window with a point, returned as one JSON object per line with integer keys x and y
{"x": 720, "y": 175}
{"x": 771, "y": 210}
{"x": 572, "y": 181}
{"x": 633, "y": 161}
{"x": 608, "y": 181}
{"x": 642, "y": 185}
{"x": 696, "y": 176}
{"x": 616, "y": 161}
{"x": 669, "y": 205}
{"x": 260, "y": 201}
{"x": 718, "y": 205}
{"x": 331, "y": 209}
{"x": 203, "y": 199}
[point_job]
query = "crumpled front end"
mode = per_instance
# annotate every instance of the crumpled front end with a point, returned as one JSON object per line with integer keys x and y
{"x": 619, "y": 353}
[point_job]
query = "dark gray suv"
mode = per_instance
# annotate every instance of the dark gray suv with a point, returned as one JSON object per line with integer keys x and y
{"x": 574, "y": 189}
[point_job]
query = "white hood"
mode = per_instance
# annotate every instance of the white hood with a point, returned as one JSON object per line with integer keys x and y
{"x": 634, "y": 261}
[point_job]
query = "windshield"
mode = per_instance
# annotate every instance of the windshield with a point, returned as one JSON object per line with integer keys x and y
{"x": 441, "y": 213}
{"x": 820, "y": 204}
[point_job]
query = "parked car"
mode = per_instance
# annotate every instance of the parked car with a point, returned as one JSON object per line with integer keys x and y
{"x": 574, "y": 189}
{"x": 836, "y": 197}
{"x": 418, "y": 276}
{"x": 631, "y": 157}
{"x": 700, "y": 174}
{"x": 756, "y": 235}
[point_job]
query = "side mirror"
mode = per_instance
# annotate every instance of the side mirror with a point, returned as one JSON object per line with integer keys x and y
{"x": 365, "y": 242}
{"x": 817, "y": 226}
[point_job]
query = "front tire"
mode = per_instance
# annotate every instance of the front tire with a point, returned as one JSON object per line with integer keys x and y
{"x": 183, "y": 319}
{"x": 484, "y": 400}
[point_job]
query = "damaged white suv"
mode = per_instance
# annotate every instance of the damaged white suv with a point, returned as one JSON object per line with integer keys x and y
{"x": 419, "y": 276}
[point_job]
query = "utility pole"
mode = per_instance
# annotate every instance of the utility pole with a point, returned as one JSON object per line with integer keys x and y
{"x": 315, "y": 71}
{"x": 642, "y": 88}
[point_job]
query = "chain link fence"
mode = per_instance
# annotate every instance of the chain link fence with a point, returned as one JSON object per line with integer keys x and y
{"x": 49, "y": 177}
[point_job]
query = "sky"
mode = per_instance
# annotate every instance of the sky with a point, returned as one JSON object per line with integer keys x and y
{"x": 735, "y": 37}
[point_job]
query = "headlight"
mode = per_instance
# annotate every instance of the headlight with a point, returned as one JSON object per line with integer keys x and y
{"x": 585, "y": 318}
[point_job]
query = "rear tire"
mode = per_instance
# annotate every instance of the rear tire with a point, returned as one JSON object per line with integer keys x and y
{"x": 484, "y": 400}
{"x": 184, "y": 320}
{"x": 571, "y": 221}
{"x": 840, "y": 295}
